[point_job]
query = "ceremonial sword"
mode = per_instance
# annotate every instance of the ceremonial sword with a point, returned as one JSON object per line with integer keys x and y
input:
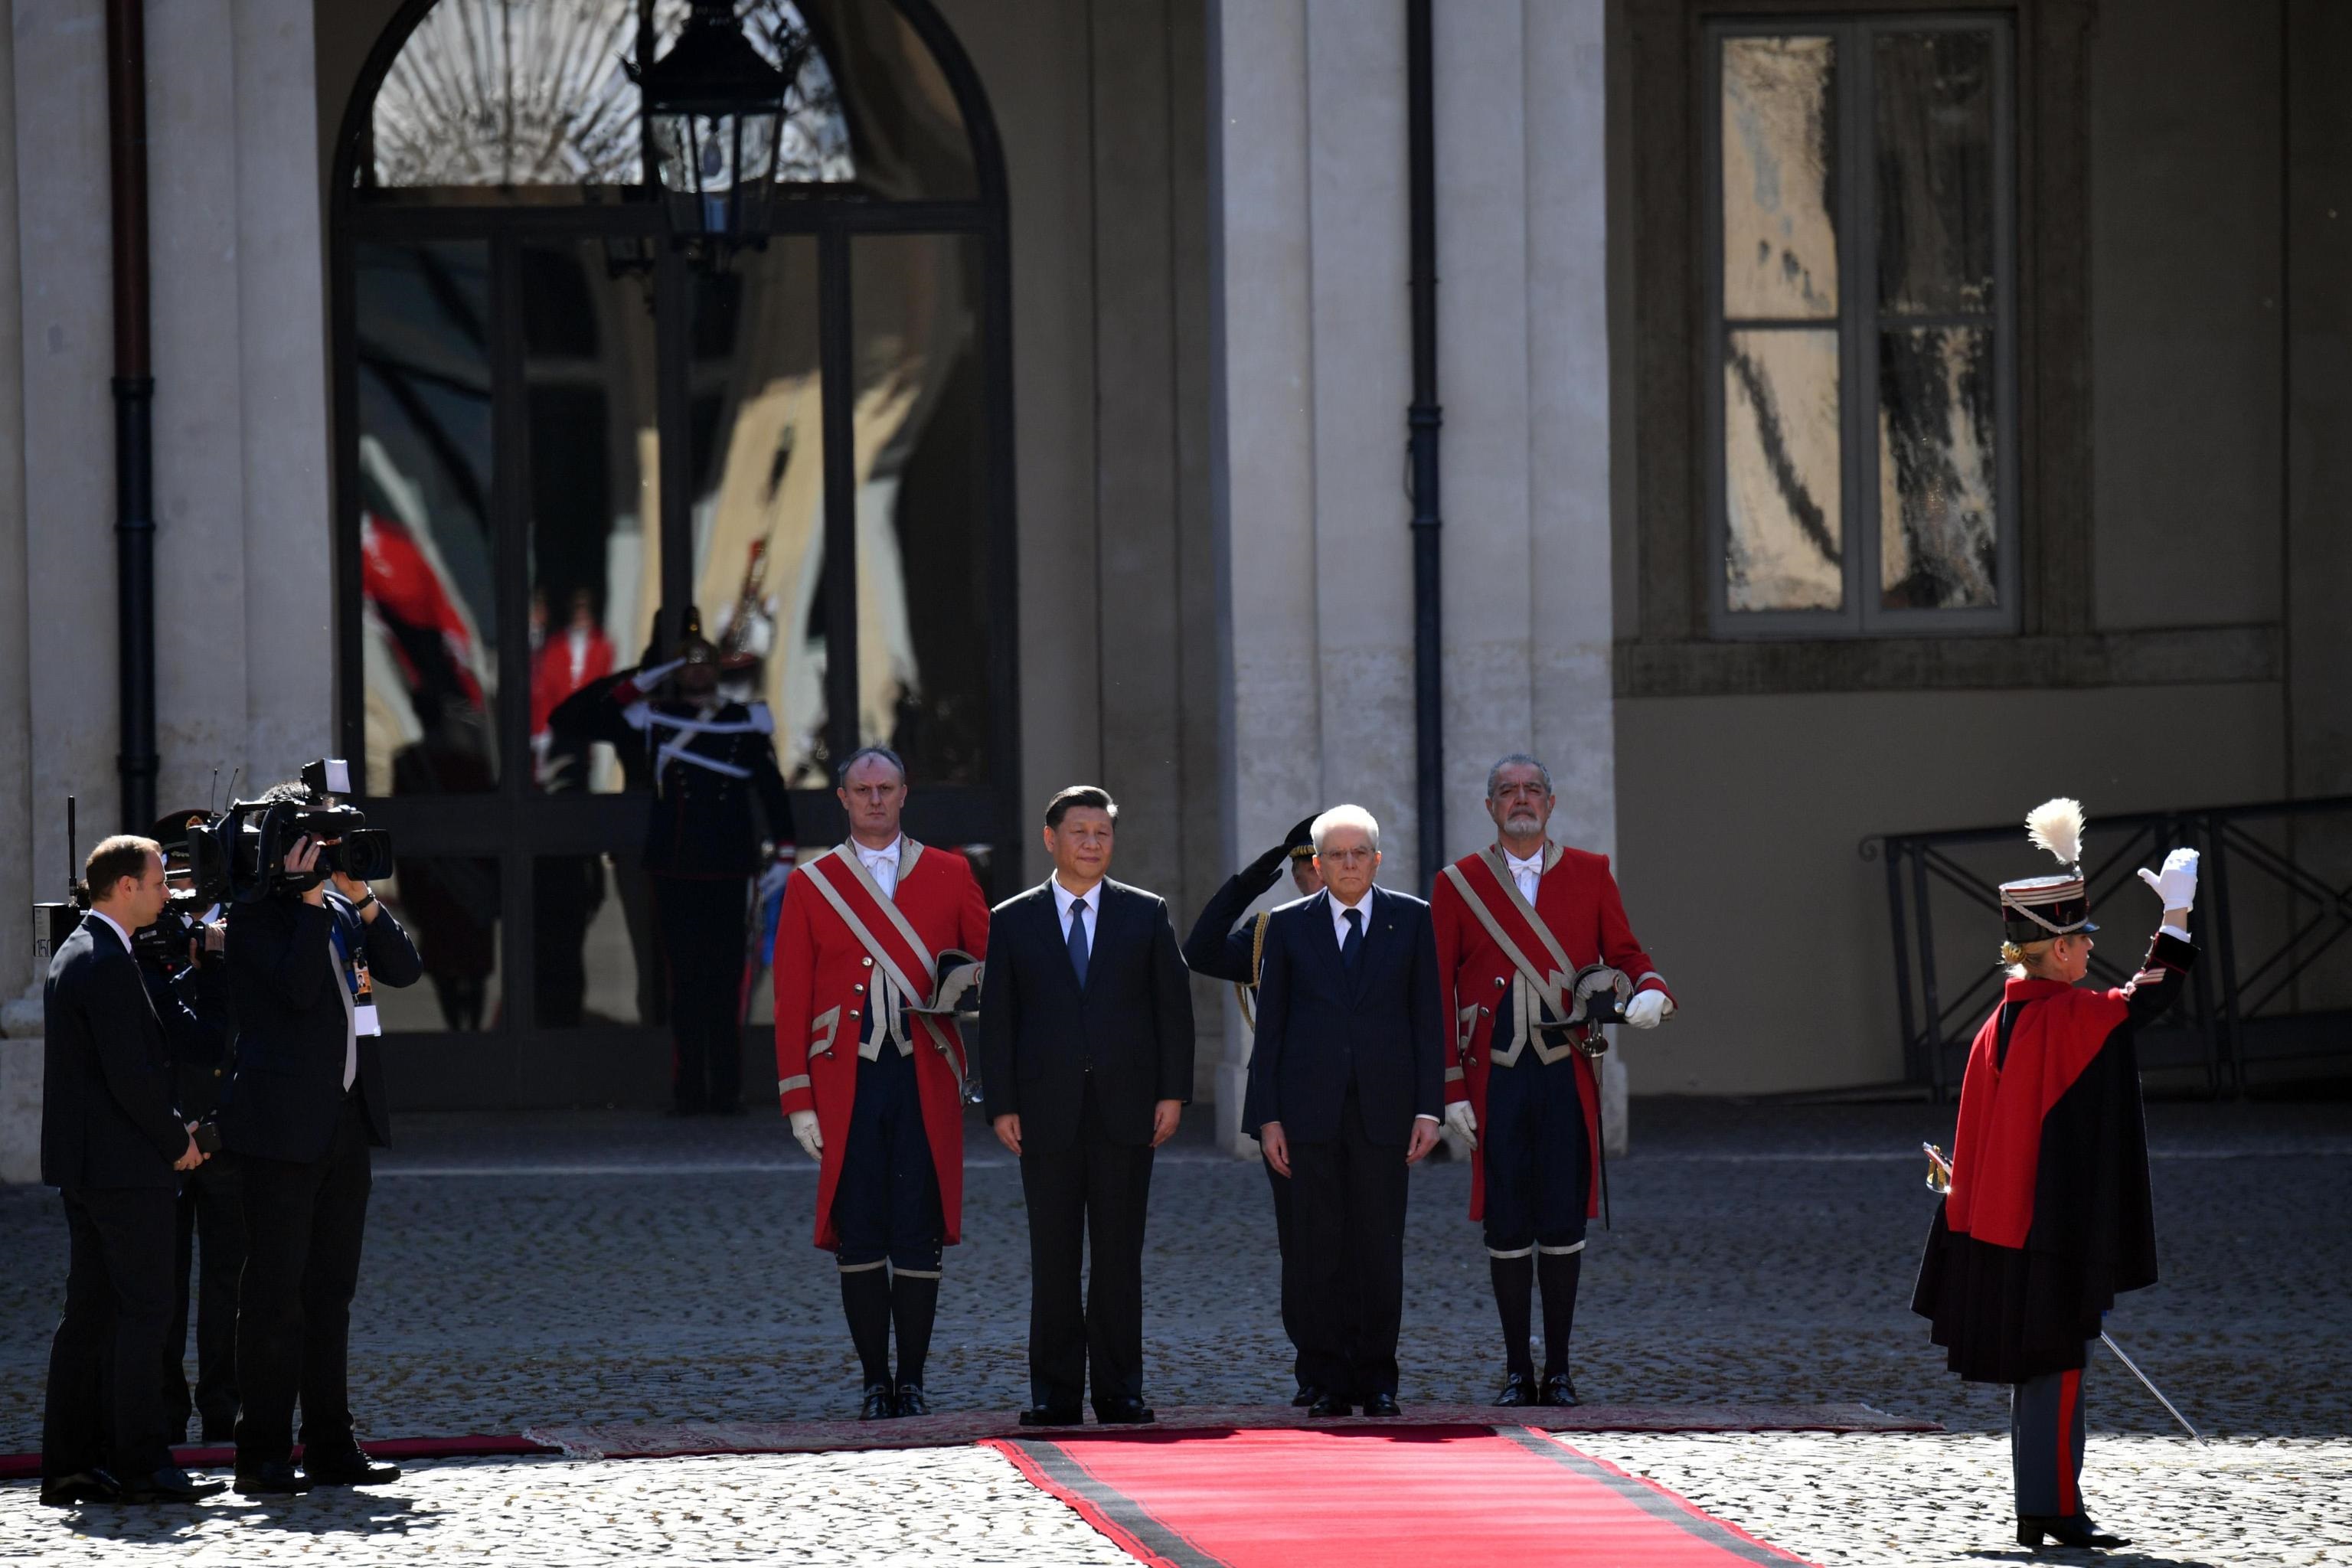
{"x": 1939, "y": 1182}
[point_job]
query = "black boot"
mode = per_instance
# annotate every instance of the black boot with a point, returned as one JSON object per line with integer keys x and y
{"x": 866, "y": 1303}
{"x": 1559, "y": 1273}
{"x": 1515, "y": 1280}
{"x": 914, "y": 1303}
{"x": 2067, "y": 1530}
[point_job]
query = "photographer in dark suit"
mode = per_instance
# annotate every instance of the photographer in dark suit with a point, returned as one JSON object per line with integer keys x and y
{"x": 1347, "y": 1084}
{"x": 1086, "y": 1038}
{"x": 180, "y": 959}
{"x": 113, "y": 1145}
{"x": 304, "y": 1104}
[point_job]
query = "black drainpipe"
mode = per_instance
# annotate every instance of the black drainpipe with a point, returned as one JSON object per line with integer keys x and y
{"x": 134, "y": 410}
{"x": 1422, "y": 419}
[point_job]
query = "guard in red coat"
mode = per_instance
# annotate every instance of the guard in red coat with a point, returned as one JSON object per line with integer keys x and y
{"x": 1515, "y": 923}
{"x": 877, "y": 949}
{"x": 2047, "y": 1218}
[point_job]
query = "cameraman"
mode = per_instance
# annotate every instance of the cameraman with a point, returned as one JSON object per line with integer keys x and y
{"x": 180, "y": 959}
{"x": 304, "y": 1103}
{"x": 113, "y": 1145}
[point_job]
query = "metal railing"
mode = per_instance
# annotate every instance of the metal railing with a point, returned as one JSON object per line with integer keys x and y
{"x": 2275, "y": 982}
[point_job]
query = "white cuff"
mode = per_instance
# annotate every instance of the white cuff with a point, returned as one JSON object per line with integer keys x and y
{"x": 1427, "y": 1118}
{"x": 2175, "y": 932}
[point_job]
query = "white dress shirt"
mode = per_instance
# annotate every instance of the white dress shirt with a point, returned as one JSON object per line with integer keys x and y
{"x": 882, "y": 864}
{"x": 1526, "y": 873}
{"x": 1091, "y": 898}
{"x": 117, "y": 925}
{"x": 1340, "y": 918}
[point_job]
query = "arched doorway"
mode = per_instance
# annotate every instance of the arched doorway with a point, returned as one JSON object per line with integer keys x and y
{"x": 552, "y": 423}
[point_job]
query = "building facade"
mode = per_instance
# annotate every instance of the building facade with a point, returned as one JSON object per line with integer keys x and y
{"x": 1855, "y": 418}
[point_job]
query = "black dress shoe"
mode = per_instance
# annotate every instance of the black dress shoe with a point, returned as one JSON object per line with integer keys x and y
{"x": 880, "y": 1404}
{"x": 1308, "y": 1394}
{"x": 911, "y": 1401}
{"x": 170, "y": 1484}
{"x": 1381, "y": 1404}
{"x": 1519, "y": 1390}
{"x": 1558, "y": 1390}
{"x": 2067, "y": 1530}
{"x": 346, "y": 1468}
{"x": 1330, "y": 1405}
{"x": 81, "y": 1487}
{"x": 1052, "y": 1415}
{"x": 272, "y": 1478}
{"x": 1128, "y": 1411}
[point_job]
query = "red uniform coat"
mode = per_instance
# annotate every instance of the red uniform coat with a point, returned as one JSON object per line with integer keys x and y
{"x": 1577, "y": 899}
{"x": 823, "y": 976}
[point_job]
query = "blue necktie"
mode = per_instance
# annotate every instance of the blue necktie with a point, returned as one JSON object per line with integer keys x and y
{"x": 1078, "y": 939}
{"x": 1352, "y": 952}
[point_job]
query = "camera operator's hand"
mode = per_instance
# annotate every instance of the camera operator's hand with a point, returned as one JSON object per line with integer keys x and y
{"x": 300, "y": 861}
{"x": 361, "y": 896}
{"x": 216, "y": 937}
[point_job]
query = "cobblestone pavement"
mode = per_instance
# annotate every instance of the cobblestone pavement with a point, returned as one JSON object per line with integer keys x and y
{"x": 603, "y": 1268}
{"x": 1760, "y": 1254}
{"x": 1916, "y": 1502}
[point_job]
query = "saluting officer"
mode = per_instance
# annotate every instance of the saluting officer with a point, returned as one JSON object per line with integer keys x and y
{"x": 1225, "y": 946}
{"x": 1516, "y": 923}
{"x": 707, "y": 756}
{"x": 877, "y": 943}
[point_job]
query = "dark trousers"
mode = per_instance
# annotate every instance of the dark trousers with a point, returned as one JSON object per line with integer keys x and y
{"x": 703, "y": 934}
{"x": 886, "y": 1203}
{"x": 1294, "y": 1311}
{"x": 303, "y": 1224}
{"x": 1091, "y": 1196}
{"x": 104, "y": 1408}
{"x": 1538, "y": 1156}
{"x": 211, "y": 1235}
{"x": 1347, "y": 1209}
{"x": 2045, "y": 1444}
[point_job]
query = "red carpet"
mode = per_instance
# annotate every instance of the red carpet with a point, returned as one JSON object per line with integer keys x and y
{"x": 1373, "y": 1498}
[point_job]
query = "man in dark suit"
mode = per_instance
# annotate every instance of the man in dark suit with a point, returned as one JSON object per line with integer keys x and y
{"x": 113, "y": 1145}
{"x": 1086, "y": 1038}
{"x": 1347, "y": 1084}
{"x": 304, "y": 1104}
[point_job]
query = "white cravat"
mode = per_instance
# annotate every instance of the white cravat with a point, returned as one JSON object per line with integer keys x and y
{"x": 882, "y": 865}
{"x": 1526, "y": 873}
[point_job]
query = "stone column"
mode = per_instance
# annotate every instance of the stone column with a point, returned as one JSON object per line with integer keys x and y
{"x": 1308, "y": 259}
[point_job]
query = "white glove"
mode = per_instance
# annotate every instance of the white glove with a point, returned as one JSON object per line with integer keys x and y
{"x": 1464, "y": 1121}
{"x": 804, "y": 1129}
{"x": 2177, "y": 886}
{"x": 1648, "y": 1009}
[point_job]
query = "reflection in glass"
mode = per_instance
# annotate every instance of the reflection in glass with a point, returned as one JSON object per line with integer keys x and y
{"x": 500, "y": 94}
{"x": 757, "y": 412}
{"x": 1939, "y": 531}
{"x": 1935, "y": 145}
{"x": 449, "y": 906}
{"x": 586, "y": 944}
{"x": 428, "y": 611}
{"x": 1783, "y": 545}
{"x": 922, "y": 536}
{"x": 1780, "y": 174}
{"x": 588, "y": 373}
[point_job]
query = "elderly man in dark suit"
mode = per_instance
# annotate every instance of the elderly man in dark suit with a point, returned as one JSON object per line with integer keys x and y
{"x": 1347, "y": 1084}
{"x": 305, "y": 1104}
{"x": 113, "y": 1145}
{"x": 1086, "y": 1038}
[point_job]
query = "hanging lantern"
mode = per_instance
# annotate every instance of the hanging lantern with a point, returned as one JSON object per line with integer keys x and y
{"x": 715, "y": 108}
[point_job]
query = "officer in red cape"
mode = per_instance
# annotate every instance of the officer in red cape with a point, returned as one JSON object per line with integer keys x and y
{"x": 879, "y": 940}
{"x": 2047, "y": 1219}
{"x": 1515, "y": 923}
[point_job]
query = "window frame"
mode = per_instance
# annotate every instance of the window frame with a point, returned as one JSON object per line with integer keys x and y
{"x": 1860, "y": 320}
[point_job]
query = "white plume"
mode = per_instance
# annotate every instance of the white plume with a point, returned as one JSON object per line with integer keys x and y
{"x": 2057, "y": 825}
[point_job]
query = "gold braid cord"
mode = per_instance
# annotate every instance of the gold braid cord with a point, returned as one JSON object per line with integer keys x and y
{"x": 1257, "y": 961}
